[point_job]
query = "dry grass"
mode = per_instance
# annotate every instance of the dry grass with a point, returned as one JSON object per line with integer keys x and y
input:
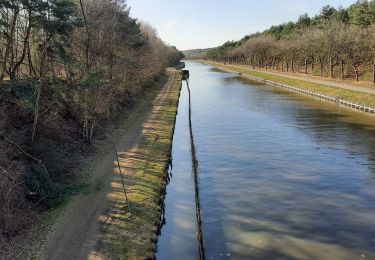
{"x": 353, "y": 96}
{"x": 133, "y": 235}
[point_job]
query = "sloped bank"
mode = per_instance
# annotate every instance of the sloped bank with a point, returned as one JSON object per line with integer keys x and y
{"x": 97, "y": 222}
{"x": 346, "y": 98}
{"x": 133, "y": 235}
{"x": 63, "y": 150}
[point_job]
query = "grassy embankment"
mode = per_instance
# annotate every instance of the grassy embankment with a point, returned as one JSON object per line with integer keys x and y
{"x": 133, "y": 235}
{"x": 353, "y": 96}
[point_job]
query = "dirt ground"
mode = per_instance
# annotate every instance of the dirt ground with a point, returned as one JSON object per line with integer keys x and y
{"x": 78, "y": 231}
{"x": 78, "y": 225}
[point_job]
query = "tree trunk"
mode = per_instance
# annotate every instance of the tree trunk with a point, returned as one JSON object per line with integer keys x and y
{"x": 356, "y": 73}
{"x": 373, "y": 72}
{"x": 14, "y": 70}
{"x": 92, "y": 129}
{"x": 312, "y": 68}
{"x": 321, "y": 69}
{"x": 36, "y": 111}
{"x": 342, "y": 69}
{"x": 31, "y": 66}
{"x": 44, "y": 56}
{"x": 330, "y": 68}
{"x": 9, "y": 45}
{"x": 305, "y": 66}
{"x": 292, "y": 62}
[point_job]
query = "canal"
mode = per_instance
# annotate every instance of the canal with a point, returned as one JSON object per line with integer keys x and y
{"x": 281, "y": 175}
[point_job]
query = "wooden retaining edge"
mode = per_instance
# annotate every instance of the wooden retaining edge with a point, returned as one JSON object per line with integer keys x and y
{"x": 167, "y": 171}
{"x": 167, "y": 176}
{"x": 341, "y": 102}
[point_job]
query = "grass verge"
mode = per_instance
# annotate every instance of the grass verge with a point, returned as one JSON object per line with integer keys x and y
{"x": 352, "y": 96}
{"x": 133, "y": 235}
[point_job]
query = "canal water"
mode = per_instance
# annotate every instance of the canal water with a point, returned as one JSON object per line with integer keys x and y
{"x": 281, "y": 175}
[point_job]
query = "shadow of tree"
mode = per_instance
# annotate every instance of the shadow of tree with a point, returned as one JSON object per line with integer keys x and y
{"x": 132, "y": 235}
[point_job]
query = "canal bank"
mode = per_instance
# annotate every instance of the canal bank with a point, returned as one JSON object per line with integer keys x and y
{"x": 133, "y": 233}
{"x": 120, "y": 214}
{"x": 180, "y": 205}
{"x": 357, "y": 100}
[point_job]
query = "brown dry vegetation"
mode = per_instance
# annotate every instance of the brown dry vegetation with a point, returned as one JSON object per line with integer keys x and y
{"x": 133, "y": 235}
{"x": 68, "y": 69}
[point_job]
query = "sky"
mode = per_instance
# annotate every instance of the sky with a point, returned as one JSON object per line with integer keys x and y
{"x": 191, "y": 24}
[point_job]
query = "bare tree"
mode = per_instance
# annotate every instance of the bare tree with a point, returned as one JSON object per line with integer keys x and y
{"x": 356, "y": 47}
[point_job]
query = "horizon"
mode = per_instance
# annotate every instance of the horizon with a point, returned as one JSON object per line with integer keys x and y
{"x": 194, "y": 25}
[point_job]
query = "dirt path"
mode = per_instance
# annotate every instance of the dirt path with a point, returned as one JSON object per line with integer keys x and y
{"x": 77, "y": 232}
{"x": 309, "y": 78}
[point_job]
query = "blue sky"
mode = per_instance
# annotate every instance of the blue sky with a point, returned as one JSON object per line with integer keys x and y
{"x": 190, "y": 24}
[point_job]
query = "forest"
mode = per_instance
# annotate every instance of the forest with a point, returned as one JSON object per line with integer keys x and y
{"x": 336, "y": 43}
{"x": 68, "y": 69}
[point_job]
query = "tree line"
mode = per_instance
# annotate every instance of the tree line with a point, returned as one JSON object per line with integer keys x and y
{"x": 68, "y": 68}
{"x": 92, "y": 46}
{"x": 335, "y": 43}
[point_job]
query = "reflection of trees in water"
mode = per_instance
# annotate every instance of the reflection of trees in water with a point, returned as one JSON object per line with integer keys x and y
{"x": 326, "y": 122}
{"x": 327, "y": 213}
{"x": 357, "y": 137}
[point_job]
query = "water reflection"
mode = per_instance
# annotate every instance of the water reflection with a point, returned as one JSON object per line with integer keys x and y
{"x": 283, "y": 176}
{"x": 178, "y": 234}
